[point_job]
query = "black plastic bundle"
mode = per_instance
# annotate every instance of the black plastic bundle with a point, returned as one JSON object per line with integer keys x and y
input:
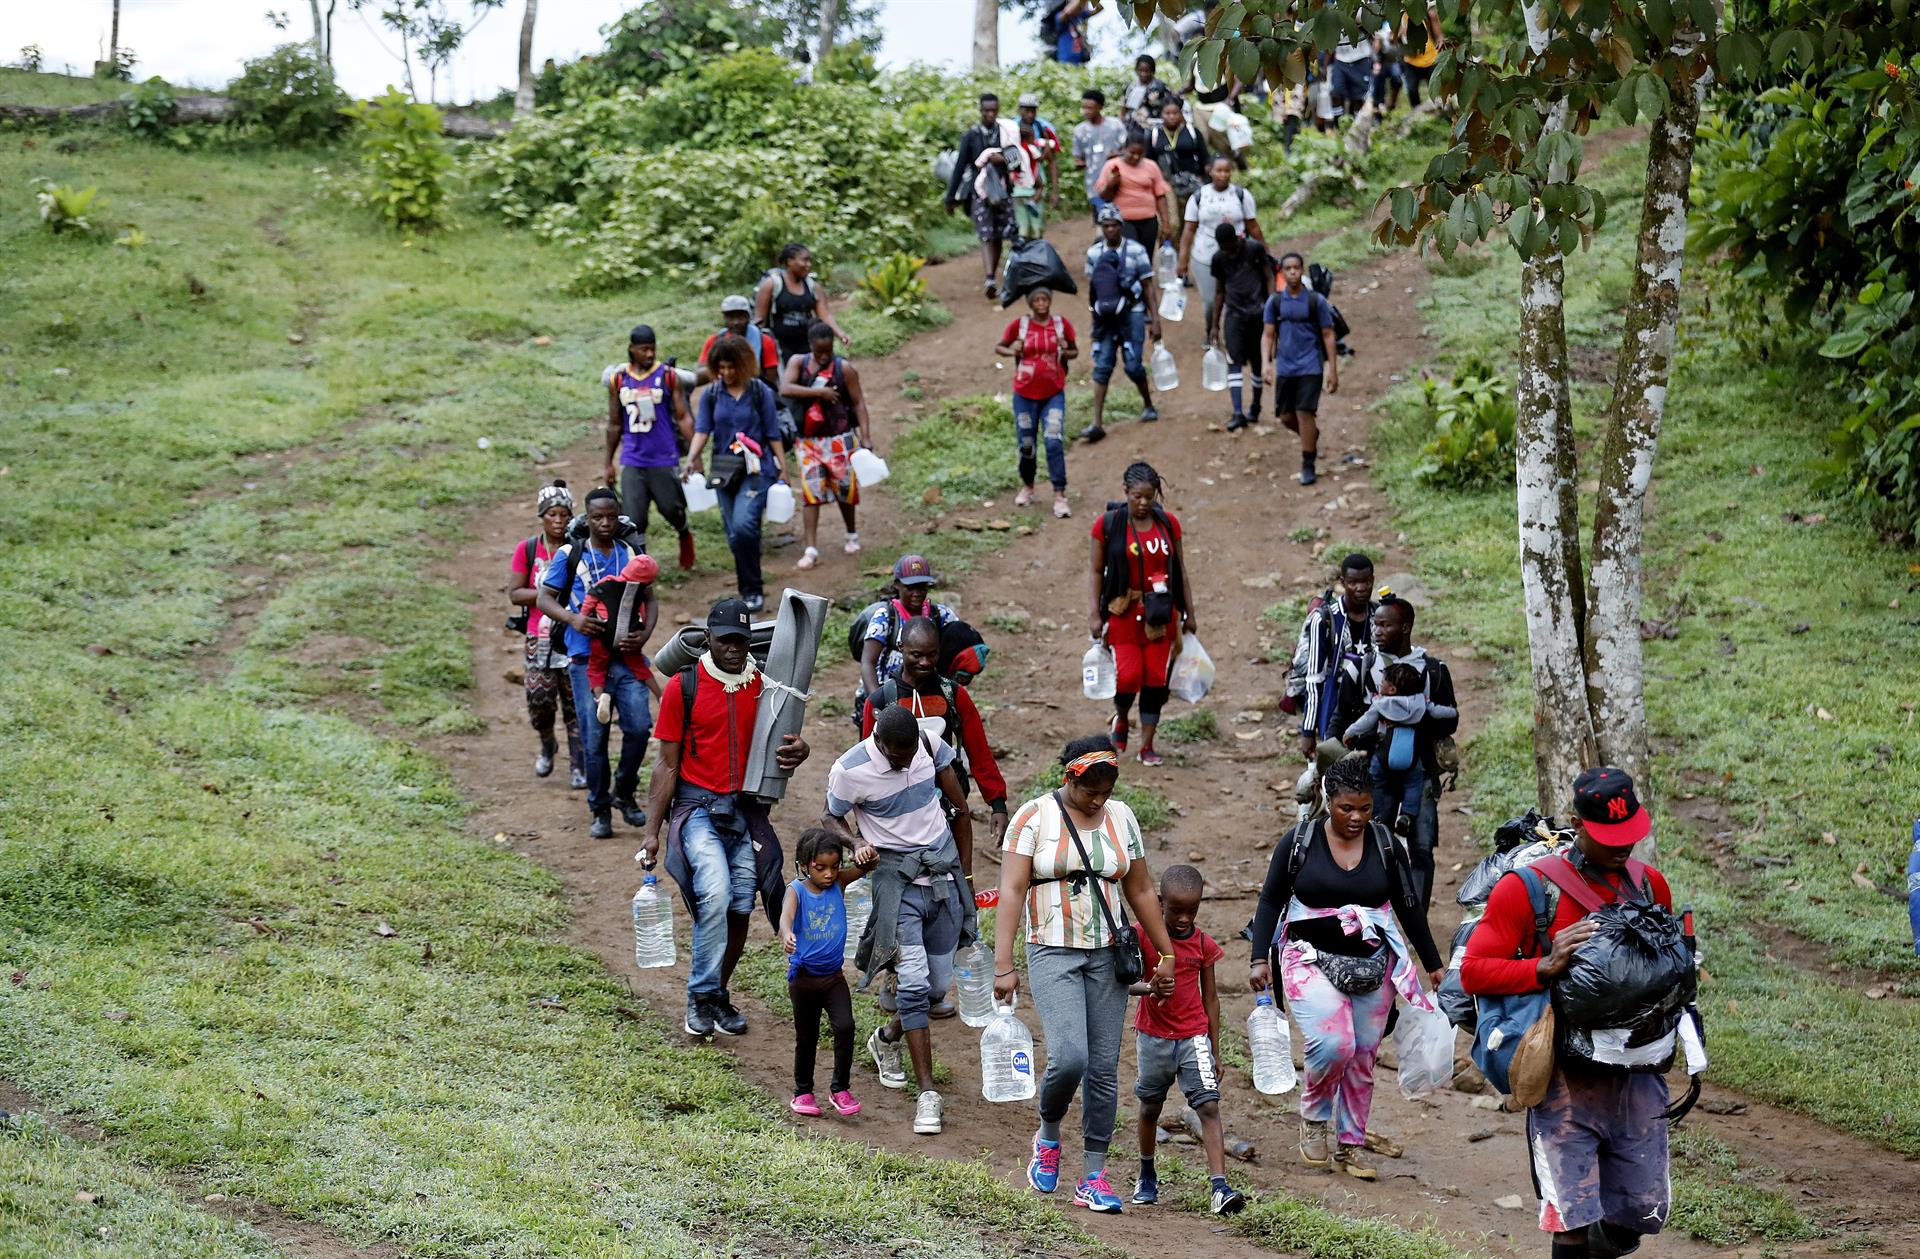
{"x": 1455, "y": 1002}
{"x": 1034, "y": 264}
{"x": 1636, "y": 971}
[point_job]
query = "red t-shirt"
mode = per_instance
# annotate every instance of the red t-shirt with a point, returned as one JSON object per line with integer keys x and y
{"x": 1491, "y": 968}
{"x": 722, "y": 730}
{"x": 1184, "y": 1014}
{"x": 1040, "y": 373}
{"x": 769, "y": 352}
{"x": 1149, "y": 555}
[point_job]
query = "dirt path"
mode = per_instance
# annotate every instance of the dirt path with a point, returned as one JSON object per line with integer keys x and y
{"x": 1240, "y": 506}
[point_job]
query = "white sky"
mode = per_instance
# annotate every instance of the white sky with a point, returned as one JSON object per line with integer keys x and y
{"x": 203, "y": 42}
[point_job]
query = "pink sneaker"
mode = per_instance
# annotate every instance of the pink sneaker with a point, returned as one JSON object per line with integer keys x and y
{"x": 845, "y": 1103}
{"x": 804, "y": 1105}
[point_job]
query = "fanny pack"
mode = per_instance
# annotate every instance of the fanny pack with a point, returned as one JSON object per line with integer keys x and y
{"x": 1129, "y": 964}
{"x": 1355, "y": 976}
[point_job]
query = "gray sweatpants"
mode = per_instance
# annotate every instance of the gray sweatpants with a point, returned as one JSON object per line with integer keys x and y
{"x": 1083, "y": 1014}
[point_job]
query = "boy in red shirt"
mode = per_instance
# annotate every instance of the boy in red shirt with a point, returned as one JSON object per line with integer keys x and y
{"x": 1176, "y": 1035}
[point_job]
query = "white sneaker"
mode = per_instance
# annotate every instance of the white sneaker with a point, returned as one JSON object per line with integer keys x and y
{"x": 886, "y": 1060}
{"x": 808, "y": 558}
{"x": 926, "y": 1115}
{"x": 1024, "y": 497}
{"x": 852, "y": 546}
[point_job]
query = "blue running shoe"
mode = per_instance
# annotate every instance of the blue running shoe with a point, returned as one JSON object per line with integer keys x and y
{"x": 1095, "y": 1194}
{"x": 1146, "y": 1192}
{"x": 1043, "y": 1172}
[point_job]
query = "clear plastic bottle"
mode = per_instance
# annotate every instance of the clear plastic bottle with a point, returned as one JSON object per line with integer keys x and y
{"x": 1166, "y": 375}
{"x": 1272, "y": 1046}
{"x": 1099, "y": 676}
{"x": 1166, "y": 267}
{"x": 859, "y": 898}
{"x": 652, "y": 926}
{"x": 973, "y": 976}
{"x": 1006, "y": 1058}
{"x": 1213, "y": 370}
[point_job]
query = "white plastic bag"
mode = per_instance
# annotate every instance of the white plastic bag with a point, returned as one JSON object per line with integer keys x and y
{"x": 1239, "y": 132}
{"x": 1424, "y": 1041}
{"x": 1192, "y": 674}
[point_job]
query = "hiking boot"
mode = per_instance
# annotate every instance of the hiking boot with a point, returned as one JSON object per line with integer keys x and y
{"x": 1314, "y": 1143}
{"x": 803, "y": 1104}
{"x": 630, "y": 811}
{"x": 602, "y": 827}
{"x": 699, "y": 1022}
{"x": 1043, "y": 1169}
{"x": 686, "y": 550}
{"x": 726, "y": 1020}
{"x": 927, "y": 1113}
{"x": 1353, "y": 1160}
{"x": 886, "y": 1060}
{"x": 1226, "y": 1199}
{"x": 1238, "y": 422}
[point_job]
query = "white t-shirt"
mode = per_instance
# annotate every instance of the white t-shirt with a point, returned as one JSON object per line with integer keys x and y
{"x": 1208, "y": 209}
{"x": 1360, "y": 51}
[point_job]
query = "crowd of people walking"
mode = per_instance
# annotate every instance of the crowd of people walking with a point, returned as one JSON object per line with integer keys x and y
{"x": 1341, "y": 935}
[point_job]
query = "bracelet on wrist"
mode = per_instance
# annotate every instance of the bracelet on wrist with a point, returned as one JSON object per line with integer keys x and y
{"x": 1002, "y": 974}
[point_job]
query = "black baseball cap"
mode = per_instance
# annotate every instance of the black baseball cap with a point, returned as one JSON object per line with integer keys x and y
{"x": 1605, "y": 800}
{"x": 729, "y": 619}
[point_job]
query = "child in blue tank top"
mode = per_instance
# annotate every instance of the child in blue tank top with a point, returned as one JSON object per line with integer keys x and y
{"x": 813, "y": 927}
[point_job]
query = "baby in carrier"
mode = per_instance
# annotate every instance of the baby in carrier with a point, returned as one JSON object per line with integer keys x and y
{"x": 1403, "y": 750}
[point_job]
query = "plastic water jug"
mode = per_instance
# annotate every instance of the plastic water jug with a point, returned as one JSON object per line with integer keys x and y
{"x": 1213, "y": 370}
{"x": 1165, "y": 374}
{"x": 973, "y": 975}
{"x": 1006, "y": 1058}
{"x": 1167, "y": 265}
{"x": 699, "y": 496}
{"x": 859, "y": 898}
{"x": 652, "y": 926}
{"x": 1099, "y": 677}
{"x": 1173, "y": 302}
{"x": 779, "y": 503}
{"x": 1272, "y": 1046}
{"x": 868, "y": 468}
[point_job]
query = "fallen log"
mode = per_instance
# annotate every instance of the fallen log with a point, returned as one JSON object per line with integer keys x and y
{"x": 455, "y": 123}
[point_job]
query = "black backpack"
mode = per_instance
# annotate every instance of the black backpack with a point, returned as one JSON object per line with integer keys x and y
{"x": 1320, "y": 280}
{"x": 1107, "y": 293}
{"x": 626, "y": 532}
{"x": 857, "y": 632}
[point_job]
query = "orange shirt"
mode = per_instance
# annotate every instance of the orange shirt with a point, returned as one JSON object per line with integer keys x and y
{"x": 1141, "y": 187}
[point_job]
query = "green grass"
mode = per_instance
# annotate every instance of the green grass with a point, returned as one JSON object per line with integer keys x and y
{"x": 1715, "y": 1199}
{"x": 17, "y": 87}
{"x": 1733, "y": 699}
{"x": 1197, "y": 726}
{"x": 259, "y": 945}
{"x": 1277, "y": 1220}
{"x": 964, "y": 449}
{"x": 45, "y": 1180}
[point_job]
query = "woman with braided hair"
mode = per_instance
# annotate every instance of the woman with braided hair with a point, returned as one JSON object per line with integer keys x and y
{"x": 1341, "y": 894}
{"x": 1141, "y": 600}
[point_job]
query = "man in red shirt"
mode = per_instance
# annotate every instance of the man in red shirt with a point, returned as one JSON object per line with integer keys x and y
{"x": 736, "y": 317}
{"x": 945, "y": 712}
{"x": 721, "y": 845}
{"x": 1598, "y": 1139}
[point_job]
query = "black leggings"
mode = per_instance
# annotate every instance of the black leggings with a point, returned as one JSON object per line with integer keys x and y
{"x": 1153, "y": 699}
{"x": 812, "y": 995}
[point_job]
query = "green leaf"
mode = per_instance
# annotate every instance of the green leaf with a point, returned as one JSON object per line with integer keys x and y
{"x": 1244, "y": 58}
{"x": 1405, "y": 206}
{"x": 1845, "y": 344}
{"x": 1659, "y": 19}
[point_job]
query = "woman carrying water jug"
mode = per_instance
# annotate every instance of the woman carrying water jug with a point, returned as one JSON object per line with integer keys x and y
{"x": 1073, "y": 863}
{"x": 1141, "y": 601}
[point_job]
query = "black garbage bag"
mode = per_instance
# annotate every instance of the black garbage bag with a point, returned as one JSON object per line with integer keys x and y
{"x": 1636, "y": 971}
{"x": 1455, "y": 1002}
{"x": 1478, "y": 885}
{"x": 1033, "y": 264}
{"x": 1525, "y": 829}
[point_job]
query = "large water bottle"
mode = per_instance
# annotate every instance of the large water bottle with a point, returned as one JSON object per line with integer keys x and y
{"x": 1167, "y": 265}
{"x": 859, "y": 898}
{"x": 1173, "y": 302}
{"x": 652, "y": 926}
{"x": 973, "y": 975}
{"x": 1165, "y": 374}
{"x": 779, "y": 503}
{"x": 1213, "y": 370}
{"x": 1006, "y": 1058}
{"x": 1099, "y": 676}
{"x": 1272, "y": 1046}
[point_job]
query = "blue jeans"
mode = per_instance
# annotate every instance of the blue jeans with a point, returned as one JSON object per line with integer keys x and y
{"x": 1123, "y": 335}
{"x": 1410, "y": 793}
{"x": 630, "y": 699}
{"x": 740, "y": 512}
{"x": 1048, "y": 420}
{"x": 725, "y": 881}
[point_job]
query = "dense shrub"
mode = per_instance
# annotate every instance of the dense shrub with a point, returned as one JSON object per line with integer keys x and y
{"x": 404, "y": 159}
{"x": 1472, "y": 417}
{"x": 149, "y": 108}
{"x": 659, "y": 39}
{"x": 290, "y": 96}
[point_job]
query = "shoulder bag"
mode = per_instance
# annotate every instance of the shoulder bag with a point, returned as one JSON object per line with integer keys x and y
{"x": 1129, "y": 965}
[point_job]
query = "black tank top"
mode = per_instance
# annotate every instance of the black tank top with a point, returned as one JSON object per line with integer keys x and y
{"x": 791, "y": 314}
{"x": 1322, "y": 884}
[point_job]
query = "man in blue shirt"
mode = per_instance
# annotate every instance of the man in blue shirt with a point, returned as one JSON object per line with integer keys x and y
{"x": 575, "y": 569}
{"x": 1122, "y": 298}
{"x": 1297, "y": 350}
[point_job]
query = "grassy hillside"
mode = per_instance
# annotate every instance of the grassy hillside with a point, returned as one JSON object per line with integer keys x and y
{"x": 1782, "y": 721}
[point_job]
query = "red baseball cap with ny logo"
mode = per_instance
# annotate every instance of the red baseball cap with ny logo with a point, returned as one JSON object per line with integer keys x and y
{"x": 1605, "y": 800}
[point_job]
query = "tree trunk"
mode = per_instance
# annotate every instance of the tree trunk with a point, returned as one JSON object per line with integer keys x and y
{"x": 829, "y": 27}
{"x": 113, "y": 42}
{"x": 319, "y": 33}
{"x": 1563, "y": 742}
{"x": 523, "y": 95}
{"x": 1616, "y": 687}
{"x": 986, "y": 35}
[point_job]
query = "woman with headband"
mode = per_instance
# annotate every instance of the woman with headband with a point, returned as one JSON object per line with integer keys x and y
{"x": 1141, "y": 601}
{"x": 548, "y": 688}
{"x": 1072, "y": 864}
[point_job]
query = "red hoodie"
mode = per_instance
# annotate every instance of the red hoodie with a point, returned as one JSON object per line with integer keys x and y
{"x": 640, "y": 571}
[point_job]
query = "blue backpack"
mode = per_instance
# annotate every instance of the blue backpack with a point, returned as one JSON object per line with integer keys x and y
{"x": 1504, "y": 1019}
{"x": 1107, "y": 291}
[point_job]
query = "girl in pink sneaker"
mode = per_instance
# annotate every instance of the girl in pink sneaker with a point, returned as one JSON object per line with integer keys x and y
{"x": 813, "y": 927}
